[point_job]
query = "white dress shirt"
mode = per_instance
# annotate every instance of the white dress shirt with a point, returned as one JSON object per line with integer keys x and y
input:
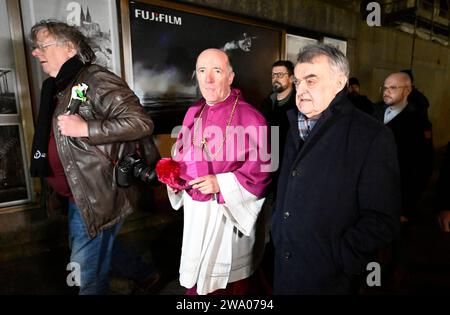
{"x": 393, "y": 111}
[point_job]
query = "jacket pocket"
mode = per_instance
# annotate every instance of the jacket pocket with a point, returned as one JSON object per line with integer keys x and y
{"x": 106, "y": 164}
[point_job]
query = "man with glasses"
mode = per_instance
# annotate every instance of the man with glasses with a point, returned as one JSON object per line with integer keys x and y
{"x": 274, "y": 109}
{"x": 88, "y": 118}
{"x": 406, "y": 123}
{"x": 338, "y": 192}
{"x": 282, "y": 99}
{"x": 407, "y": 126}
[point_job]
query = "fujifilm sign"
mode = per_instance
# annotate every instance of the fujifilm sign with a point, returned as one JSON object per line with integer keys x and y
{"x": 157, "y": 17}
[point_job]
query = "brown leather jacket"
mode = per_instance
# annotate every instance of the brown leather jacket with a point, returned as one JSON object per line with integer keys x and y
{"x": 115, "y": 121}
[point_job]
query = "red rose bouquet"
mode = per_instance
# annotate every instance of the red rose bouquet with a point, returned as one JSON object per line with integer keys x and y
{"x": 168, "y": 172}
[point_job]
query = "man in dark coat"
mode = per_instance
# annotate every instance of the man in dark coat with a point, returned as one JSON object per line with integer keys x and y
{"x": 405, "y": 123}
{"x": 275, "y": 106}
{"x": 338, "y": 192}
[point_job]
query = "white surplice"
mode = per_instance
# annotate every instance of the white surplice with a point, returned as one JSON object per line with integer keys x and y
{"x": 222, "y": 243}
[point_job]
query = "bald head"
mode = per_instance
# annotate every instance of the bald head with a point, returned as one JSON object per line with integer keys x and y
{"x": 396, "y": 89}
{"x": 214, "y": 75}
{"x": 401, "y": 78}
{"x": 215, "y": 53}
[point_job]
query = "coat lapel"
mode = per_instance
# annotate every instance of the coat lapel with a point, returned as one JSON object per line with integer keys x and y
{"x": 330, "y": 116}
{"x": 292, "y": 115}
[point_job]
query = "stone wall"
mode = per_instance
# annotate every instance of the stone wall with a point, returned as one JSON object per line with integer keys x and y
{"x": 373, "y": 52}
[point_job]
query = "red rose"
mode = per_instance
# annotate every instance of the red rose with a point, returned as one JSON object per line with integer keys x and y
{"x": 168, "y": 172}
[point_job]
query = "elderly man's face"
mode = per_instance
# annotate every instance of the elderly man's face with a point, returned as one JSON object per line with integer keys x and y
{"x": 316, "y": 85}
{"x": 213, "y": 75}
{"x": 52, "y": 54}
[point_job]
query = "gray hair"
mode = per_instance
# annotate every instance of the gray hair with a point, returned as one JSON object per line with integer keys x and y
{"x": 66, "y": 33}
{"x": 338, "y": 61}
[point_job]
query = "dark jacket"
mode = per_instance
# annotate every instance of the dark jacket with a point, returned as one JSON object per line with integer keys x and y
{"x": 275, "y": 115}
{"x": 338, "y": 201}
{"x": 361, "y": 102}
{"x": 413, "y": 154}
{"x": 115, "y": 120}
{"x": 419, "y": 102}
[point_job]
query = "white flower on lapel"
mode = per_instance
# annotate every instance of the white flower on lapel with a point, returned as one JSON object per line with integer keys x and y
{"x": 79, "y": 92}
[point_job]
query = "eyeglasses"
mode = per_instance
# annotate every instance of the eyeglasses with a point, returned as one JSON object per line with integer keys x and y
{"x": 41, "y": 47}
{"x": 278, "y": 75}
{"x": 310, "y": 82}
{"x": 391, "y": 88}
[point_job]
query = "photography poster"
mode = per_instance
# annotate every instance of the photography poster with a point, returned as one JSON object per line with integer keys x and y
{"x": 338, "y": 43}
{"x": 96, "y": 19}
{"x": 13, "y": 185}
{"x": 8, "y": 96}
{"x": 165, "y": 45}
{"x": 294, "y": 44}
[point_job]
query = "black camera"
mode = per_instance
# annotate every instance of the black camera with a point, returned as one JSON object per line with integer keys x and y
{"x": 132, "y": 166}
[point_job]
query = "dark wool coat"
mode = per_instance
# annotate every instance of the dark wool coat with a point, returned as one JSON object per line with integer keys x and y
{"x": 338, "y": 201}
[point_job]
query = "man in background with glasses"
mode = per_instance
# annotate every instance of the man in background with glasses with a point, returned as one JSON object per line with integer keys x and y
{"x": 282, "y": 98}
{"x": 407, "y": 126}
{"x": 274, "y": 109}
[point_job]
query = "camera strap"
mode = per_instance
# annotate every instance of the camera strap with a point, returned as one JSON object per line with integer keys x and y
{"x": 114, "y": 162}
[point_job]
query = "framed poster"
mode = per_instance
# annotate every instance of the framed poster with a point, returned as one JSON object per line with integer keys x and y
{"x": 294, "y": 44}
{"x": 8, "y": 97}
{"x": 96, "y": 19}
{"x": 338, "y": 43}
{"x": 13, "y": 181}
{"x": 165, "y": 40}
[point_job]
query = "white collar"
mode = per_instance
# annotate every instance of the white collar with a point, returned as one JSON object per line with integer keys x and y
{"x": 219, "y": 101}
{"x": 392, "y": 111}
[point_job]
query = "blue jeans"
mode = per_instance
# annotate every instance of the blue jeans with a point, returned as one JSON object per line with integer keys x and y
{"x": 92, "y": 254}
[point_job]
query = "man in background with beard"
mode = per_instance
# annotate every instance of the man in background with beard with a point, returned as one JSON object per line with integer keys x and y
{"x": 282, "y": 99}
{"x": 274, "y": 109}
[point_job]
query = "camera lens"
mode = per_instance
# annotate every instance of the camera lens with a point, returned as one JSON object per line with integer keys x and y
{"x": 143, "y": 172}
{"x": 131, "y": 167}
